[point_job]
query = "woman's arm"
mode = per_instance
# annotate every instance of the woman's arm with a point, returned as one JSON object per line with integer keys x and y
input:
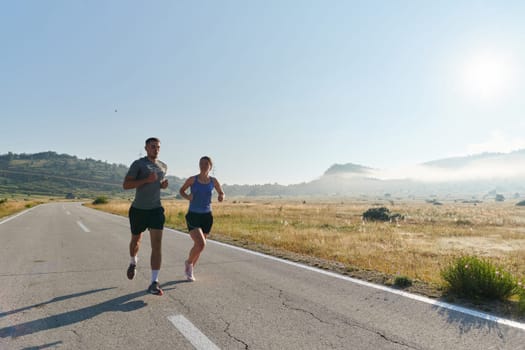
{"x": 219, "y": 190}
{"x": 187, "y": 184}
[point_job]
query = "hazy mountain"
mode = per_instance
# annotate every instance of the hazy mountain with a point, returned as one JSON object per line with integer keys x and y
{"x": 459, "y": 162}
{"x": 348, "y": 168}
{"x": 481, "y": 176}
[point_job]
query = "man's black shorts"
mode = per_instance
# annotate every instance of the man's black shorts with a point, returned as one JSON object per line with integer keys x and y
{"x": 142, "y": 219}
{"x": 203, "y": 221}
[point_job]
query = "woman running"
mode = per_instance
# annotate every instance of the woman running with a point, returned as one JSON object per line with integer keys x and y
{"x": 199, "y": 217}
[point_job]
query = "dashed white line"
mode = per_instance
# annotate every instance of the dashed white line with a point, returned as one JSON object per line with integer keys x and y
{"x": 83, "y": 227}
{"x": 192, "y": 333}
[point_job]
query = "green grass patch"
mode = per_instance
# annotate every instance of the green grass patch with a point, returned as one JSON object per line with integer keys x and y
{"x": 472, "y": 277}
{"x": 402, "y": 281}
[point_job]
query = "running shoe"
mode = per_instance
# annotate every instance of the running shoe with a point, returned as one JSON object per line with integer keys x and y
{"x": 154, "y": 288}
{"x": 189, "y": 271}
{"x": 132, "y": 270}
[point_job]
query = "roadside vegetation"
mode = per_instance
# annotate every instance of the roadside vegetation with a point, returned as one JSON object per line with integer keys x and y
{"x": 475, "y": 278}
{"x": 417, "y": 246}
{"x": 9, "y": 206}
{"x": 100, "y": 200}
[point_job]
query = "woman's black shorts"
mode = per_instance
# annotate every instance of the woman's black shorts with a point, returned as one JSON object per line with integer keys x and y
{"x": 204, "y": 221}
{"x": 142, "y": 219}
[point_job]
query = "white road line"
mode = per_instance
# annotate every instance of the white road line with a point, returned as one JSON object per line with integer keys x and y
{"x": 192, "y": 333}
{"x": 14, "y": 216}
{"x": 68, "y": 212}
{"x": 83, "y": 227}
{"x": 420, "y": 298}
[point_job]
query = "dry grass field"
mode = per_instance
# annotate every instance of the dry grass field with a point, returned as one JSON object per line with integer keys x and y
{"x": 10, "y": 206}
{"x": 417, "y": 246}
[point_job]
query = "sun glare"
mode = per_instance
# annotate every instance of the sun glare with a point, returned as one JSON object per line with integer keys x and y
{"x": 487, "y": 76}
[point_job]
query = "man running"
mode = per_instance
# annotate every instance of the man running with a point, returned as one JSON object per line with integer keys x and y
{"x": 147, "y": 176}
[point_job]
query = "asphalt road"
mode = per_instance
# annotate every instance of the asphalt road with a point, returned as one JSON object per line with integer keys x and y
{"x": 63, "y": 285}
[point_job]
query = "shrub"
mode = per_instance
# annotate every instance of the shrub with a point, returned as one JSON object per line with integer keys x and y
{"x": 3, "y": 200}
{"x": 100, "y": 200}
{"x": 381, "y": 214}
{"x": 471, "y": 277}
{"x": 462, "y": 222}
{"x": 396, "y": 217}
{"x": 377, "y": 214}
{"x": 402, "y": 281}
{"x": 522, "y": 203}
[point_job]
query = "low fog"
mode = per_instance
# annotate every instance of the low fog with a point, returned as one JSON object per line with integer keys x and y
{"x": 475, "y": 170}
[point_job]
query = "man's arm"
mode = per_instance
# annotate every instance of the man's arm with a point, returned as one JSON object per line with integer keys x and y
{"x": 130, "y": 182}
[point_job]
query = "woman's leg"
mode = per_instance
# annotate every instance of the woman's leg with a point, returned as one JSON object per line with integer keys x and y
{"x": 199, "y": 242}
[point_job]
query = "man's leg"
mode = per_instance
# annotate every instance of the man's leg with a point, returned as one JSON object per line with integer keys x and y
{"x": 156, "y": 248}
{"x": 134, "y": 245}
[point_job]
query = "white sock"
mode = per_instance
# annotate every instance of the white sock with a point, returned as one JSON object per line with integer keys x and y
{"x": 154, "y": 275}
{"x": 134, "y": 260}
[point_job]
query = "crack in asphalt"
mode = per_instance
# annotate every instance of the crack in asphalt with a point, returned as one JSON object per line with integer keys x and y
{"x": 227, "y": 332}
{"x": 283, "y": 302}
{"x": 356, "y": 325}
{"x": 380, "y": 334}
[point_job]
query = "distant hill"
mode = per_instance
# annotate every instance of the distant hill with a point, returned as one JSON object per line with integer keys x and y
{"x": 52, "y": 174}
{"x": 483, "y": 176}
{"x": 348, "y": 168}
{"x": 459, "y": 162}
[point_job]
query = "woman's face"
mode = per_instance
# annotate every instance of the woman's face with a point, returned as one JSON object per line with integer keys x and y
{"x": 205, "y": 166}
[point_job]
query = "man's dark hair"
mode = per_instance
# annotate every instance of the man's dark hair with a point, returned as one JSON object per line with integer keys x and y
{"x": 152, "y": 139}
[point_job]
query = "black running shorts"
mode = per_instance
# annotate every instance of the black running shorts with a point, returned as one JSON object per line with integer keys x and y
{"x": 204, "y": 221}
{"x": 142, "y": 219}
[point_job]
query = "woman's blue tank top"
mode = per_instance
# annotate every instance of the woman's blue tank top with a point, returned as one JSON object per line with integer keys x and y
{"x": 201, "y": 202}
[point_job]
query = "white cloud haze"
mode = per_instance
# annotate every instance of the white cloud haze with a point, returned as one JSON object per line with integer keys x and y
{"x": 500, "y": 166}
{"x": 498, "y": 142}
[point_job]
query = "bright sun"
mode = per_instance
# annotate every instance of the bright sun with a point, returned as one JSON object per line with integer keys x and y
{"x": 487, "y": 76}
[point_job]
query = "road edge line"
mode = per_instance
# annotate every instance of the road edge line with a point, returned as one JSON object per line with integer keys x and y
{"x": 441, "y": 304}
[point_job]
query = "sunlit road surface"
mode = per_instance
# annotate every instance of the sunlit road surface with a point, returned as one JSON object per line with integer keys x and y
{"x": 63, "y": 285}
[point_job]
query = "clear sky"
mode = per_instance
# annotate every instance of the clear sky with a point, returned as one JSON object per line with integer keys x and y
{"x": 273, "y": 91}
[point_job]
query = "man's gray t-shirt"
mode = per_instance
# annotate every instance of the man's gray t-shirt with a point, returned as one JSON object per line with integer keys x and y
{"x": 147, "y": 196}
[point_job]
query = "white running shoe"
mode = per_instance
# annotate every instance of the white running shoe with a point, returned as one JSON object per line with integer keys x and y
{"x": 189, "y": 271}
